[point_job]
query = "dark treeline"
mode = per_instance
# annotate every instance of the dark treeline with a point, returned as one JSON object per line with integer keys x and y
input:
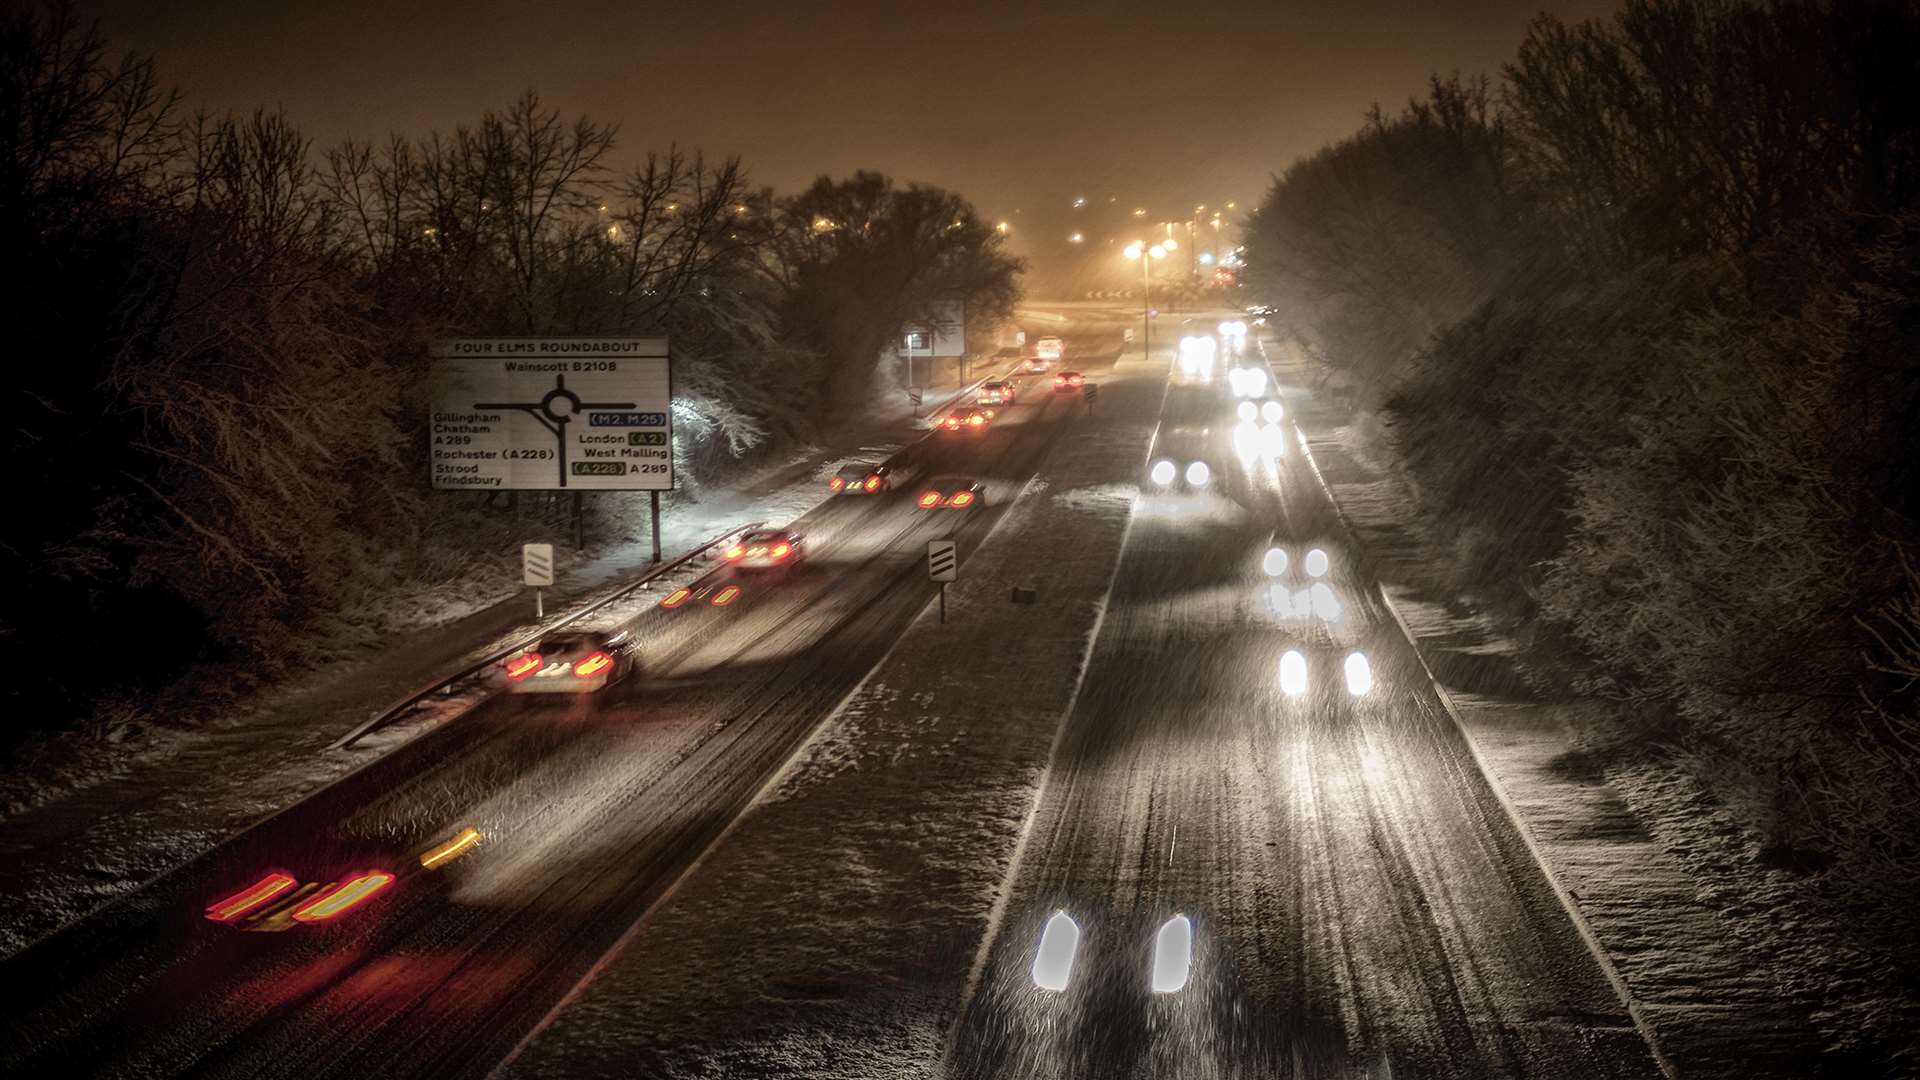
{"x": 1642, "y": 320}
{"x": 217, "y": 338}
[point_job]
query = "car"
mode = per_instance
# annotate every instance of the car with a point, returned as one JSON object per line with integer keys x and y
{"x": 765, "y": 549}
{"x": 953, "y": 493}
{"x": 1168, "y": 474}
{"x": 1036, "y": 365}
{"x": 966, "y": 418}
{"x": 856, "y": 479}
{"x": 580, "y": 663}
{"x": 996, "y": 393}
{"x": 1050, "y": 348}
{"x": 1069, "y": 382}
{"x": 279, "y": 900}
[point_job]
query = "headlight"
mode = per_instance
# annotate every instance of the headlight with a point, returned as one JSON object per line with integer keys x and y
{"x": 1053, "y": 962}
{"x": 1172, "y": 955}
{"x": 1359, "y": 674}
{"x": 1248, "y": 411}
{"x": 1197, "y": 474}
{"x": 1163, "y": 473}
{"x": 1275, "y": 562}
{"x": 1317, "y": 563}
{"x": 1271, "y": 412}
{"x": 1293, "y": 673}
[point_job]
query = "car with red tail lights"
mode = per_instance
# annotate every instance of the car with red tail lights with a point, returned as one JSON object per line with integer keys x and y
{"x": 999, "y": 392}
{"x": 967, "y": 418}
{"x": 765, "y": 549}
{"x": 952, "y": 493}
{"x": 584, "y": 663}
{"x": 1069, "y": 382}
{"x": 279, "y": 899}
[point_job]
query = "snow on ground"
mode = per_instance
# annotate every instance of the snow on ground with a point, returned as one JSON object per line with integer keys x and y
{"x": 828, "y": 934}
{"x": 84, "y": 820}
{"x": 1731, "y": 963}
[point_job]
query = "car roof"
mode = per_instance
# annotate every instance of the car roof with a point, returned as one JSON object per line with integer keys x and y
{"x": 766, "y": 534}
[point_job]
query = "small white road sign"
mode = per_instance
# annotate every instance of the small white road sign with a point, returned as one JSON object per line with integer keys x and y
{"x": 536, "y": 564}
{"x": 943, "y": 564}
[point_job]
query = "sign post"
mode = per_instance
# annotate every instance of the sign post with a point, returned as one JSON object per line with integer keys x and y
{"x": 536, "y": 569}
{"x": 943, "y": 565}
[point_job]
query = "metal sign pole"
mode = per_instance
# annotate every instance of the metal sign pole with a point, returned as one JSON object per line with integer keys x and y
{"x": 943, "y": 603}
{"x": 654, "y": 498}
{"x": 539, "y": 603}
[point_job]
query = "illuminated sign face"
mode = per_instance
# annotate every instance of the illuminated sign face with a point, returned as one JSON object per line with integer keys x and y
{"x": 552, "y": 414}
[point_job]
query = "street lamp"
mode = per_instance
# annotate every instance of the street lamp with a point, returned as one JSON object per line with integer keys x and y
{"x": 1139, "y": 250}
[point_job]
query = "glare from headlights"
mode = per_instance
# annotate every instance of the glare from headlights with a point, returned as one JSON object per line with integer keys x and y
{"x": 1163, "y": 473}
{"x": 1326, "y": 606}
{"x": 1317, "y": 563}
{"x": 1249, "y": 412}
{"x": 1273, "y": 441}
{"x": 1256, "y": 381}
{"x": 1271, "y": 412}
{"x": 1197, "y": 474}
{"x": 1053, "y": 961}
{"x": 1293, "y": 673}
{"x": 1172, "y": 955}
{"x": 1246, "y": 442}
{"x": 1275, "y": 562}
{"x": 1359, "y": 674}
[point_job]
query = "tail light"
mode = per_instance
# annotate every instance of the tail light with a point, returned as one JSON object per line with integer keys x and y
{"x": 676, "y": 598}
{"x": 250, "y": 897}
{"x": 1079, "y": 380}
{"x": 523, "y": 665}
{"x": 780, "y": 551}
{"x": 953, "y": 424}
{"x": 964, "y": 498}
{"x": 873, "y": 482}
{"x": 336, "y": 900}
{"x": 836, "y": 484}
{"x": 976, "y": 419}
{"x": 725, "y": 596}
{"x": 462, "y": 842}
{"x": 593, "y": 665}
{"x": 736, "y": 551}
{"x": 929, "y": 500}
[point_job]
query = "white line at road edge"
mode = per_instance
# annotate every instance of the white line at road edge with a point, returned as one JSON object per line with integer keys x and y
{"x": 759, "y": 796}
{"x": 997, "y": 914}
{"x": 1572, "y": 909}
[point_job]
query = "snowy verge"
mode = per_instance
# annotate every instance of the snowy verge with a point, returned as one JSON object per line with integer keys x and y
{"x": 831, "y": 934}
{"x": 90, "y": 821}
{"x": 1731, "y": 963}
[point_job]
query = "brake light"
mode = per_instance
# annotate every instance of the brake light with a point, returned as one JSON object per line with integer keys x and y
{"x": 779, "y": 551}
{"x": 964, "y": 498}
{"x": 736, "y": 551}
{"x": 953, "y": 424}
{"x": 462, "y": 842}
{"x": 726, "y": 596}
{"x": 873, "y": 483}
{"x": 250, "y": 897}
{"x": 1079, "y": 380}
{"x": 976, "y": 419}
{"x": 337, "y": 900}
{"x": 836, "y": 484}
{"x": 929, "y": 500}
{"x": 592, "y": 665}
{"x": 523, "y": 665}
{"x": 676, "y": 598}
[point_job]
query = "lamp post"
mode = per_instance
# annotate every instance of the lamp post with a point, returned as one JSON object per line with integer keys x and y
{"x": 1140, "y": 250}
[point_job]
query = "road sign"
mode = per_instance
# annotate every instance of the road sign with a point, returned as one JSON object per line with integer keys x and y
{"x": 916, "y": 397}
{"x": 549, "y": 414}
{"x": 1090, "y": 391}
{"x": 944, "y": 335}
{"x": 536, "y": 564}
{"x": 943, "y": 564}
